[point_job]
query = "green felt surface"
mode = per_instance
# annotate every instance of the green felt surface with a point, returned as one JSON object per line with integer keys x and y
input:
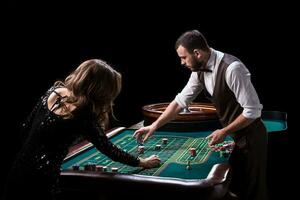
{"x": 174, "y": 155}
{"x": 275, "y": 125}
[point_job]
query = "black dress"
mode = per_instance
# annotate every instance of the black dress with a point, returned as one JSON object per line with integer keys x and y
{"x": 47, "y": 138}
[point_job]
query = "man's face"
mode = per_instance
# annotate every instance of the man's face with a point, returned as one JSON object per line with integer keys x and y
{"x": 191, "y": 61}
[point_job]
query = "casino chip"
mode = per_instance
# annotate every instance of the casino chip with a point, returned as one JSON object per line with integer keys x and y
{"x": 90, "y": 167}
{"x": 193, "y": 152}
{"x": 104, "y": 168}
{"x": 114, "y": 169}
{"x": 99, "y": 168}
{"x": 75, "y": 167}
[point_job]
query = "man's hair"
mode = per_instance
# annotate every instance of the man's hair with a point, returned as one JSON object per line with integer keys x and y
{"x": 192, "y": 40}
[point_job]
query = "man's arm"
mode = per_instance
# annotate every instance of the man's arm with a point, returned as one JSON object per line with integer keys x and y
{"x": 187, "y": 95}
{"x": 219, "y": 135}
{"x": 169, "y": 114}
{"x": 239, "y": 81}
{"x": 239, "y": 123}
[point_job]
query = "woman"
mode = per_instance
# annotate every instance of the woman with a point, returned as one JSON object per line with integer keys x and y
{"x": 77, "y": 107}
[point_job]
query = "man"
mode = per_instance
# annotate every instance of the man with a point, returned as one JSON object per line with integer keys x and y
{"x": 226, "y": 81}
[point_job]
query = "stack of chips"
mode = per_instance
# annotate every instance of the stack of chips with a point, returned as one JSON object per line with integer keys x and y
{"x": 104, "y": 168}
{"x": 157, "y": 147}
{"x": 75, "y": 167}
{"x": 90, "y": 167}
{"x": 141, "y": 149}
{"x": 164, "y": 140}
{"x": 99, "y": 168}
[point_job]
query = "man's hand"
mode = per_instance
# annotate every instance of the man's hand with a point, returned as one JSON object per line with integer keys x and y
{"x": 216, "y": 137}
{"x": 138, "y": 134}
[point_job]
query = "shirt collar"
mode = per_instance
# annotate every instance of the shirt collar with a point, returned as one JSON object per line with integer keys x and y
{"x": 212, "y": 60}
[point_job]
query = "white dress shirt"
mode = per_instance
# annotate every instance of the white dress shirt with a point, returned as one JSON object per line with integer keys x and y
{"x": 237, "y": 78}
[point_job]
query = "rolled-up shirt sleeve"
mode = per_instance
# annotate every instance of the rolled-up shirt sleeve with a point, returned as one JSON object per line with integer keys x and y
{"x": 238, "y": 79}
{"x": 190, "y": 91}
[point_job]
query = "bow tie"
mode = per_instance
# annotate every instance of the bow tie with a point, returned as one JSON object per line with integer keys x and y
{"x": 205, "y": 70}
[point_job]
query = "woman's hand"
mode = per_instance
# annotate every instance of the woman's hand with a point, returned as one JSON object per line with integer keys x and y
{"x": 150, "y": 162}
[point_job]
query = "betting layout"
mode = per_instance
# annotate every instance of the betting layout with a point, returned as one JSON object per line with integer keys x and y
{"x": 181, "y": 150}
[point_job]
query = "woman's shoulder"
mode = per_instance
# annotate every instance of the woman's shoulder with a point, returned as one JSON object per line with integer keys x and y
{"x": 56, "y": 98}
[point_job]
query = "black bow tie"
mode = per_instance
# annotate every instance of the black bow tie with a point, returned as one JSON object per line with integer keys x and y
{"x": 205, "y": 70}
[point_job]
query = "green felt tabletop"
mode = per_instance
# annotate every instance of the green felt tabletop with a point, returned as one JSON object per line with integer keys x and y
{"x": 175, "y": 155}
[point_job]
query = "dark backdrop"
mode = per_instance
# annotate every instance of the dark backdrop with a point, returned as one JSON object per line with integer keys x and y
{"x": 44, "y": 42}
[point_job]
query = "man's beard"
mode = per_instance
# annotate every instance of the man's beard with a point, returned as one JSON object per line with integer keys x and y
{"x": 197, "y": 65}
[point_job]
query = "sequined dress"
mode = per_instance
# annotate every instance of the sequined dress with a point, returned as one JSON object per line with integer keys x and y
{"x": 48, "y": 137}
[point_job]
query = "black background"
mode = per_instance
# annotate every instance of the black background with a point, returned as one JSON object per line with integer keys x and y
{"x": 43, "y": 42}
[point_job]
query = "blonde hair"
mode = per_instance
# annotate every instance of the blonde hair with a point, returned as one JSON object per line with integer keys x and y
{"x": 96, "y": 84}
